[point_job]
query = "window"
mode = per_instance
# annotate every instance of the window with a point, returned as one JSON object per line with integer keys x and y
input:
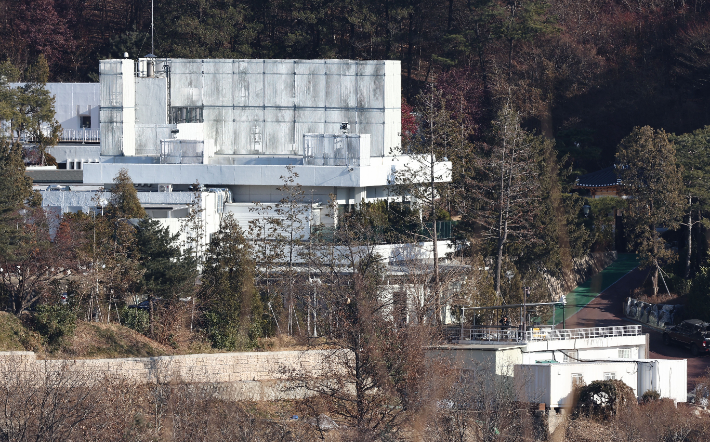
{"x": 186, "y": 115}
{"x": 569, "y": 356}
{"x": 85, "y": 122}
{"x": 609, "y": 376}
{"x": 577, "y": 379}
{"x": 624, "y": 353}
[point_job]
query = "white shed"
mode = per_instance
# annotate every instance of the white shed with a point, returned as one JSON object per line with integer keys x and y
{"x": 552, "y": 383}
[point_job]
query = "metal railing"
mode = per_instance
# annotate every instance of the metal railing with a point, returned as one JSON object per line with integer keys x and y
{"x": 492, "y": 334}
{"x": 83, "y": 135}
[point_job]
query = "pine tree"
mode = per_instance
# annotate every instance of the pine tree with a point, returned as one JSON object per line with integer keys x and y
{"x": 124, "y": 202}
{"x": 693, "y": 154}
{"x": 15, "y": 191}
{"x": 168, "y": 272}
{"x": 506, "y": 185}
{"x": 230, "y": 302}
{"x": 651, "y": 178}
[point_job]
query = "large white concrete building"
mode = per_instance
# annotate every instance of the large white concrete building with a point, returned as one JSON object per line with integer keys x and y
{"x": 235, "y": 125}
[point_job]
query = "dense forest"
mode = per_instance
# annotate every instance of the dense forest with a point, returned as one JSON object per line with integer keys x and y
{"x": 582, "y": 72}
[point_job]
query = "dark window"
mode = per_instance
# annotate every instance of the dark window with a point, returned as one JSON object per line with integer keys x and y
{"x": 86, "y": 122}
{"x": 186, "y": 115}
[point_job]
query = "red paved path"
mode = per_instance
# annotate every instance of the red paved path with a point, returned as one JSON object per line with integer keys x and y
{"x": 607, "y": 310}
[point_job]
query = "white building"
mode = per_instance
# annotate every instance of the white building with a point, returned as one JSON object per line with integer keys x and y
{"x": 553, "y": 383}
{"x": 235, "y": 125}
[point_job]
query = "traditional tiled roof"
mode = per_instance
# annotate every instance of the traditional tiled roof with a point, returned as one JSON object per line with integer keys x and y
{"x": 601, "y": 178}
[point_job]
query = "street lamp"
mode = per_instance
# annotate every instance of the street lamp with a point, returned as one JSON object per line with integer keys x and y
{"x": 585, "y": 209}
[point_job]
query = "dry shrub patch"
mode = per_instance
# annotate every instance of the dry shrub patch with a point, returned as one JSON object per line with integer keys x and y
{"x": 658, "y": 421}
{"x": 61, "y": 402}
{"x": 101, "y": 340}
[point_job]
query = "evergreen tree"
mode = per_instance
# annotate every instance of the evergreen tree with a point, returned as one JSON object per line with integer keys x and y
{"x": 693, "y": 154}
{"x": 167, "y": 271}
{"x": 35, "y": 110}
{"x": 123, "y": 202}
{"x": 231, "y": 304}
{"x": 651, "y": 178}
{"x": 15, "y": 191}
{"x": 506, "y": 185}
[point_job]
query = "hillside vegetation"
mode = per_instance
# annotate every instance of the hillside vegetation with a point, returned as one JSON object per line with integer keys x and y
{"x": 89, "y": 340}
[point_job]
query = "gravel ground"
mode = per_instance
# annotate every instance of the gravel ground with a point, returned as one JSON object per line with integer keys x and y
{"x": 607, "y": 310}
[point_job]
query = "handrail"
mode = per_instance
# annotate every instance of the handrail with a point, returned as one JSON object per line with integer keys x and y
{"x": 83, "y": 135}
{"x": 494, "y": 334}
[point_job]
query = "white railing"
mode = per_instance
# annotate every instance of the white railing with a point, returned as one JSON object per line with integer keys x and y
{"x": 491, "y": 334}
{"x": 83, "y": 135}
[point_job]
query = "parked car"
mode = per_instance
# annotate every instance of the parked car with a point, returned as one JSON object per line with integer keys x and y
{"x": 692, "y": 333}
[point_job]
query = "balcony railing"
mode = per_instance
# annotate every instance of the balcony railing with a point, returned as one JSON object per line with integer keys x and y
{"x": 83, "y": 135}
{"x": 494, "y": 335}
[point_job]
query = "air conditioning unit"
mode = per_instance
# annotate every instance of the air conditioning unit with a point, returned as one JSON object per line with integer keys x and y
{"x": 165, "y": 188}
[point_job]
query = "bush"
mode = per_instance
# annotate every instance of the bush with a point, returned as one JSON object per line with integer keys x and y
{"x": 54, "y": 323}
{"x": 136, "y": 319}
{"x": 604, "y": 399}
{"x": 650, "y": 396}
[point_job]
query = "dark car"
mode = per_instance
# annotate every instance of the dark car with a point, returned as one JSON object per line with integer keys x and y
{"x": 692, "y": 333}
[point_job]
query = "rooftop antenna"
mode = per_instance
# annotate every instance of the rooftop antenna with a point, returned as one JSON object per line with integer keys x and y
{"x": 151, "y": 56}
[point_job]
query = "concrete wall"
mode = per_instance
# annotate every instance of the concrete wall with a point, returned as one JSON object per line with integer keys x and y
{"x": 284, "y": 99}
{"x": 240, "y": 376}
{"x": 117, "y": 115}
{"x": 263, "y": 173}
{"x": 73, "y": 100}
{"x": 264, "y": 105}
{"x": 591, "y": 348}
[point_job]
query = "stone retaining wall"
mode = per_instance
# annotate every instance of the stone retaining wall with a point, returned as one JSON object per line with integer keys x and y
{"x": 656, "y": 315}
{"x": 584, "y": 268}
{"x": 246, "y": 375}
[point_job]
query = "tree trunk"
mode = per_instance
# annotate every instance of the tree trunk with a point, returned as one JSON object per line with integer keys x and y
{"x": 437, "y": 297}
{"x": 689, "y": 241}
{"x": 654, "y": 277}
{"x": 152, "y": 317}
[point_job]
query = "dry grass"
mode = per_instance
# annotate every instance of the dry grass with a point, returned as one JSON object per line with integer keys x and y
{"x": 644, "y": 294}
{"x": 14, "y": 336}
{"x": 655, "y": 421}
{"x": 100, "y": 340}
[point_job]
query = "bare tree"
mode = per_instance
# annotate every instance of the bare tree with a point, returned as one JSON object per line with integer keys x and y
{"x": 420, "y": 179}
{"x": 279, "y": 232}
{"x": 376, "y": 379}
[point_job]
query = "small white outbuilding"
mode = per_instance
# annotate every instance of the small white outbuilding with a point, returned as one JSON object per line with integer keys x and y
{"x": 552, "y": 383}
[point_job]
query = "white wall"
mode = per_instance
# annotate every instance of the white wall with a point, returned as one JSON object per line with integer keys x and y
{"x": 553, "y": 383}
{"x": 280, "y": 99}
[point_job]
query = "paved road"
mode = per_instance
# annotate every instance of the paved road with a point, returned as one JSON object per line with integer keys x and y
{"x": 607, "y": 310}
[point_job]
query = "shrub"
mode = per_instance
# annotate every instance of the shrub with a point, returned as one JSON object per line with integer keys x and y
{"x": 650, "y": 396}
{"x": 54, "y": 323}
{"x": 604, "y": 399}
{"x": 136, "y": 319}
